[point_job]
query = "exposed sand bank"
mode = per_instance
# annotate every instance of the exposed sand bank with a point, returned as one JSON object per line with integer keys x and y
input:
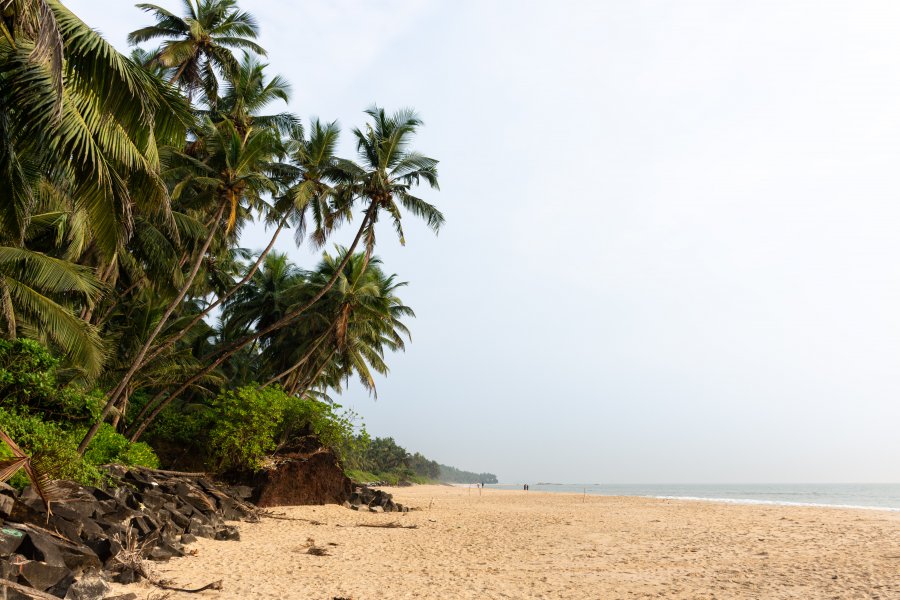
{"x": 512, "y": 544}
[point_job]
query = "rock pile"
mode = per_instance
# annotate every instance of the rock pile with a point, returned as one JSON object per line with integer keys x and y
{"x": 144, "y": 514}
{"x": 365, "y": 498}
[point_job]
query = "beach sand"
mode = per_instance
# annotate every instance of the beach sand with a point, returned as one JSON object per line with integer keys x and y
{"x": 513, "y": 544}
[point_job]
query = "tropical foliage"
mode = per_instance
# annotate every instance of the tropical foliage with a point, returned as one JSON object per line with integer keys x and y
{"x": 127, "y": 304}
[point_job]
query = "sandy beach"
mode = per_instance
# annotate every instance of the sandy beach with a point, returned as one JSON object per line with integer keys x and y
{"x": 512, "y": 544}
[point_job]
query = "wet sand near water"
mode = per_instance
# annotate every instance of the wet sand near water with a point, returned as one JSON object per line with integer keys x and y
{"x": 513, "y": 544}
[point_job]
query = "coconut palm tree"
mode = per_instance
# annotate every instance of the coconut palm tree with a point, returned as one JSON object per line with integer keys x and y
{"x": 199, "y": 45}
{"x": 364, "y": 319}
{"x": 65, "y": 92}
{"x": 228, "y": 174}
{"x": 318, "y": 189}
{"x": 247, "y": 93}
{"x": 388, "y": 172}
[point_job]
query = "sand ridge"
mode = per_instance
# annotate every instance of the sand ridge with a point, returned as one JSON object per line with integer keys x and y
{"x": 513, "y": 544}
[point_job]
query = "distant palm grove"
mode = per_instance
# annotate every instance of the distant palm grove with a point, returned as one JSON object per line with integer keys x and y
{"x": 134, "y": 325}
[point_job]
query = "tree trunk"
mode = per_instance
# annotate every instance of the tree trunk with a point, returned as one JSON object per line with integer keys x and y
{"x": 300, "y": 362}
{"x": 234, "y": 347}
{"x": 169, "y": 343}
{"x": 311, "y": 381}
{"x": 114, "y": 396}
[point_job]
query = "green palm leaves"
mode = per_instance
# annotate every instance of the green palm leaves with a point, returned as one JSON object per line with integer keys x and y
{"x": 122, "y": 205}
{"x": 198, "y": 46}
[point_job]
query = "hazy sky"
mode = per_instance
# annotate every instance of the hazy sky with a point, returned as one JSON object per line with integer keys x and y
{"x": 672, "y": 250}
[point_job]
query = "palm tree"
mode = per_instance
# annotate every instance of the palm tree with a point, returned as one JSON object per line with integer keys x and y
{"x": 388, "y": 173}
{"x": 38, "y": 298}
{"x": 199, "y": 44}
{"x": 65, "y": 92}
{"x": 248, "y": 93}
{"x": 320, "y": 186}
{"x": 231, "y": 178}
{"x": 365, "y": 319}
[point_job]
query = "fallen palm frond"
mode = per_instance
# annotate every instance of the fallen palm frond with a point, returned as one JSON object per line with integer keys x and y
{"x": 283, "y": 517}
{"x": 391, "y": 525}
{"x": 34, "y": 468}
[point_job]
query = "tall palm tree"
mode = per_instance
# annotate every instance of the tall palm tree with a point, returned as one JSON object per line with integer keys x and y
{"x": 318, "y": 189}
{"x": 232, "y": 177}
{"x": 199, "y": 45}
{"x": 388, "y": 173}
{"x": 247, "y": 93}
{"x": 364, "y": 319}
{"x": 65, "y": 92}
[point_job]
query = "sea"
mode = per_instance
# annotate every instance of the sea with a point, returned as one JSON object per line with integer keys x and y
{"x": 880, "y": 496}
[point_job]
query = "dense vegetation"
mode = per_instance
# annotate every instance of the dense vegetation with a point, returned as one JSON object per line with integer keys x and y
{"x": 128, "y": 309}
{"x": 382, "y": 459}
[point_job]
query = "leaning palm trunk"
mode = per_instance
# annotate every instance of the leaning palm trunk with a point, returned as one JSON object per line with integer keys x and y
{"x": 138, "y": 360}
{"x": 300, "y": 362}
{"x": 309, "y": 383}
{"x": 237, "y": 345}
{"x": 253, "y": 269}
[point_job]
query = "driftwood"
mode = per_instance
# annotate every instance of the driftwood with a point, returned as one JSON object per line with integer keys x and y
{"x": 391, "y": 525}
{"x": 282, "y": 517}
{"x": 28, "y": 591}
{"x": 215, "y": 585}
{"x": 173, "y": 473}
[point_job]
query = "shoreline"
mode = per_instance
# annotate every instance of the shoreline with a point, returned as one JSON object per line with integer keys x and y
{"x": 710, "y": 498}
{"x": 509, "y": 544}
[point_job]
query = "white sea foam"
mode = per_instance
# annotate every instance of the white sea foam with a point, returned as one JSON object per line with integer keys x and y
{"x": 775, "y": 503}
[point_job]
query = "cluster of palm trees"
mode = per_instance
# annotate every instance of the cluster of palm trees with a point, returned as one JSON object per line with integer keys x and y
{"x": 125, "y": 183}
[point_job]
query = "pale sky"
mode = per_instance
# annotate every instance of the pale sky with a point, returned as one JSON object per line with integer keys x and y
{"x": 671, "y": 251}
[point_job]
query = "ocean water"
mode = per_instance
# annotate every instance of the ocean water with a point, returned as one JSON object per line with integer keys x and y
{"x": 883, "y": 496}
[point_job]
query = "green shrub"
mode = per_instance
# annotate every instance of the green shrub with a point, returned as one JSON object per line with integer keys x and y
{"x": 55, "y": 447}
{"x": 335, "y": 430}
{"x": 28, "y": 381}
{"x": 109, "y": 446}
{"x": 186, "y": 425}
{"x": 246, "y": 422}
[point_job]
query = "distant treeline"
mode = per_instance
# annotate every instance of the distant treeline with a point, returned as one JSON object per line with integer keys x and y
{"x": 454, "y": 475}
{"x": 383, "y": 459}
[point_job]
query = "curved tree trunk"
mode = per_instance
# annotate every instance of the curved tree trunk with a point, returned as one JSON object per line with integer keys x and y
{"x": 253, "y": 269}
{"x": 235, "y": 346}
{"x": 114, "y": 396}
{"x": 300, "y": 362}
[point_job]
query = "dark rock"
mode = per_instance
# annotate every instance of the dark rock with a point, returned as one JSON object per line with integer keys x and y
{"x": 88, "y": 588}
{"x": 41, "y": 547}
{"x": 376, "y": 509}
{"x": 164, "y": 552}
{"x": 6, "y": 505}
{"x": 68, "y": 529}
{"x": 229, "y": 533}
{"x": 62, "y": 586}
{"x": 188, "y": 538}
{"x": 243, "y": 492}
{"x": 10, "y": 540}
{"x": 104, "y": 548}
{"x": 127, "y": 576}
{"x": 42, "y": 576}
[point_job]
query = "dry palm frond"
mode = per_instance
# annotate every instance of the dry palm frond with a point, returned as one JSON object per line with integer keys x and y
{"x": 35, "y": 468}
